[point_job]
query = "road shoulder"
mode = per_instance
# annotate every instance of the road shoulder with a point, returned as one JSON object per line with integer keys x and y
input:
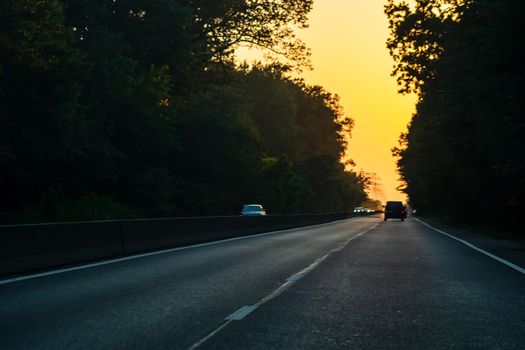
{"x": 505, "y": 248}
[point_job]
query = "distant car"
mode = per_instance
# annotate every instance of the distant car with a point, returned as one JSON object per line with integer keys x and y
{"x": 362, "y": 210}
{"x": 253, "y": 210}
{"x": 395, "y": 210}
{"x": 359, "y": 210}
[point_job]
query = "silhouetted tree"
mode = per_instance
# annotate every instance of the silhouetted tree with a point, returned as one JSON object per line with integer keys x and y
{"x": 132, "y": 108}
{"x": 463, "y": 155}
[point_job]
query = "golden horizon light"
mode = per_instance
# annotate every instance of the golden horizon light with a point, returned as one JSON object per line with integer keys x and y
{"x": 349, "y": 56}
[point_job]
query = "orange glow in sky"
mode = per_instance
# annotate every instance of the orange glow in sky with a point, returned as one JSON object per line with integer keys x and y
{"x": 350, "y": 59}
{"x": 349, "y": 55}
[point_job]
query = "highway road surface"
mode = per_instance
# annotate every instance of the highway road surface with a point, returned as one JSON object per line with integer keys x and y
{"x": 355, "y": 284}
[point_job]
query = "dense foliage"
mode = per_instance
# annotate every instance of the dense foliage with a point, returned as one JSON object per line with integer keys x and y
{"x": 133, "y": 108}
{"x": 464, "y": 155}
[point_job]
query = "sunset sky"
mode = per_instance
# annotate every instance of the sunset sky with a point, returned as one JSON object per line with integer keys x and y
{"x": 347, "y": 38}
{"x": 349, "y": 56}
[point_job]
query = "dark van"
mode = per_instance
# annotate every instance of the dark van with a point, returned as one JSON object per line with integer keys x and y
{"x": 395, "y": 210}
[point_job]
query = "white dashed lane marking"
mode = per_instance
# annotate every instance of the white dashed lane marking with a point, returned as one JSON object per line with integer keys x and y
{"x": 246, "y": 310}
{"x": 241, "y": 313}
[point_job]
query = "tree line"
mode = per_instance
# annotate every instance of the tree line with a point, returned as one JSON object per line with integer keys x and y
{"x": 464, "y": 155}
{"x": 131, "y": 108}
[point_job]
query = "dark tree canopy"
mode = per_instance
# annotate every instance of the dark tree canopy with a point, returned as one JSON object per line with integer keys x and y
{"x": 416, "y": 38}
{"x": 133, "y": 108}
{"x": 464, "y": 155}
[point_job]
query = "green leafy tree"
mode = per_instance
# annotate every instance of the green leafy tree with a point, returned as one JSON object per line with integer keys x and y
{"x": 416, "y": 38}
{"x": 134, "y": 108}
{"x": 45, "y": 130}
{"x": 303, "y": 127}
{"x": 463, "y": 153}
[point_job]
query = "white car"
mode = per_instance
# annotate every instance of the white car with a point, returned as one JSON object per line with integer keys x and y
{"x": 253, "y": 210}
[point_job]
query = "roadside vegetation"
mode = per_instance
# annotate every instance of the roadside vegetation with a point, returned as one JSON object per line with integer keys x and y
{"x": 129, "y": 108}
{"x": 463, "y": 157}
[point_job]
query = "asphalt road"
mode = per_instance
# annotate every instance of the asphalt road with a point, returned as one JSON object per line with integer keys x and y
{"x": 356, "y": 284}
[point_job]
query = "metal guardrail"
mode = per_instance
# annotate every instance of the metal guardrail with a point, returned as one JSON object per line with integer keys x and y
{"x": 25, "y": 248}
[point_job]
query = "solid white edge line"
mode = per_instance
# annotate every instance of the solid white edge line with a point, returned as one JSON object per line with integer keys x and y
{"x": 470, "y": 245}
{"x": 158, "y": 252}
